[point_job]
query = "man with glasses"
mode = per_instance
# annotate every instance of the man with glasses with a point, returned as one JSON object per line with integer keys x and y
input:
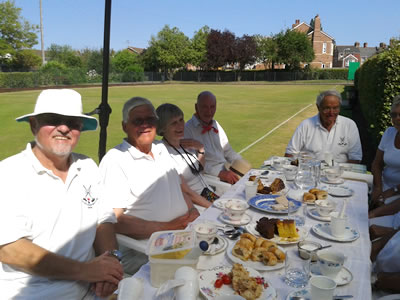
{"x": 51, "y": 212}
{"x": 141, "y": 183}
{"x": 327, "y": 132}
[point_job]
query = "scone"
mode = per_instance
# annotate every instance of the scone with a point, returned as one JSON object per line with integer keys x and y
{"x": 309, "y": 198}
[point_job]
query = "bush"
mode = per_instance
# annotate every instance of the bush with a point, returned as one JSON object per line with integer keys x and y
{"x": 55, "y": 73}
{"x": 377, "y": 83}
{"x": 18, "y": 79}
{"x": 133, "y": 73}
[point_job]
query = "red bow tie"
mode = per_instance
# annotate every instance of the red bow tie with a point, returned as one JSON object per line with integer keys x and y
{"x": 207, "y": 128}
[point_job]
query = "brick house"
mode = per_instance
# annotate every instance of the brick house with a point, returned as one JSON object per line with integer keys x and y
{"x": 343, "y": 55}
{"x": 323, "y": 44}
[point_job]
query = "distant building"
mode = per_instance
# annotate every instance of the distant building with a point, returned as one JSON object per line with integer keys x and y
{"x": 323, "y": 44}
{"x": 136, "y": 50}
{"x": 343, "y": 55}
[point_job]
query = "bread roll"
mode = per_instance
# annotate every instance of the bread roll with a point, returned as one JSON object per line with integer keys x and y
{"x": 322, "y": 195}
{"x": 314, "y": 191}
{"x": 308, "y": 197}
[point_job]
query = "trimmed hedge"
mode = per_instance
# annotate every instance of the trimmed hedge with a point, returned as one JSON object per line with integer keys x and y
{"x": 377, "y": 82}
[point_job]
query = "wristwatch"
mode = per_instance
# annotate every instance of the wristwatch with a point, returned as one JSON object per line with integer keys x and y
{"x": 116, "y": 253}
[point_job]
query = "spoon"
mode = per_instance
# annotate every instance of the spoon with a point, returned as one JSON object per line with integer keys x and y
{"x": 334, "y": 297}
{"x": 324, "y": 247}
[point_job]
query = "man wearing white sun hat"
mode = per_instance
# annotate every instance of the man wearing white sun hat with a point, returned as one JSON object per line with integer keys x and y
{"x": 51, "y": 214}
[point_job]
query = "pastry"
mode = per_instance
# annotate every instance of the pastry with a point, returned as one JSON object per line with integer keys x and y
{"x": 287, "y": 229}
{"x": 269, "y": 258}
{"x": 246, "y": 243}
{"x": 243, "y": 284}
{"x": 277, "y": 185}
{"x": 256, "y": 254}
{"x": 278, "y": 253}
{"x": 241, "y": 252}
{"x": 252, "y": 178}
{"x": 309, "y": 198}
{"x": 314, "y": 191}
{"x": 248, "y": 236}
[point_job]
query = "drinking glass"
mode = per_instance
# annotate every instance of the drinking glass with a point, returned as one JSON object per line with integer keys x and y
{"x": 297, "y": 269}
{"x": 304, "y": 179}
{"x": 299, "y": 216}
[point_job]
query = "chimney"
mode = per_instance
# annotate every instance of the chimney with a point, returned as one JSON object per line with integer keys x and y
{"x": 317, "y": 23}
{"x": 365, "y": 45}
{"x": 357, "y": 44}
{"x": 296, "y": 22}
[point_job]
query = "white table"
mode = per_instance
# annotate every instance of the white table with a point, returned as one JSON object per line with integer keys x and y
{"x": 357, "y": 252}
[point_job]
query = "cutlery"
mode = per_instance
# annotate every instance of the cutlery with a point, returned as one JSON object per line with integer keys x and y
{"x": 324, "y": 247}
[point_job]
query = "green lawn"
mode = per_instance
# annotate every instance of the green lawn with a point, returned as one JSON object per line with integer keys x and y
{"x": 246, "y": 112}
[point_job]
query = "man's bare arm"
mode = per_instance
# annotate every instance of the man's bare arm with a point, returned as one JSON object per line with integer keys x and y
{"x": 36, "y": 260}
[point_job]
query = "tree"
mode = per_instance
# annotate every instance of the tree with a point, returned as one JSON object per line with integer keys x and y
{"x": 171, "y": 49}
{"x": 245, "y": 51}
{"x": 64, "y": 54}
{"x": 267, "y": 51}
{"x": 199, "y": 47}
{"x": 126, "y": 61}
{"x": 294, "y": 48}
{"x": 15, "y": 32}
{"x": 25, "y": 60}
{"x": 220, "y": 48}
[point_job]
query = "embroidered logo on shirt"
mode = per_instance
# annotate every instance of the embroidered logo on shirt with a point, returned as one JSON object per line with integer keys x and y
{"x": 88, "y": 199}
{"x": 342, "y": 141}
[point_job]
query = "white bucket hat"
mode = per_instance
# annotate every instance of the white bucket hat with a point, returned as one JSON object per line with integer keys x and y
{"x": 63, "y": 102}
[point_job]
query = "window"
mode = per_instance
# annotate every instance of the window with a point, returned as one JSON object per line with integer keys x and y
{"x": 322, "y": 66}
{"x": 324, "y": 48}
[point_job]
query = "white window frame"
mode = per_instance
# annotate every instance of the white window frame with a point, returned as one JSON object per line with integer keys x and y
{"x": 324, "y": 48}
{"x": 322, "y": 66}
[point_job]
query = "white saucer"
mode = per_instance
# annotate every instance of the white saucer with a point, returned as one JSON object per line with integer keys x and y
{"x": 313, "y": 212}
{"x": 245, "y": 219}
{"x": 301, "y": 293}
{"x": 217, "y": 248}
{"x": 324, "y": 230}
{"x": 344, "y": 276}
{"x": 340, "y": 191}
{"x": 337, "y": 181}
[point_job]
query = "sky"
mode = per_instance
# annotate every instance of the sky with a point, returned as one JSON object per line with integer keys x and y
{"x": 80, "y": 24}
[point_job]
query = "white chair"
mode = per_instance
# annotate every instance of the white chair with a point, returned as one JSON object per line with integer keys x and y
{"x": 214, "y": 182}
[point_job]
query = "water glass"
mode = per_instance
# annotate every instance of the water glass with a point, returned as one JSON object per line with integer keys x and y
{"x": 297, "y": 269}
{"x": 299, "y": 216}
{"x": 304, "y": 179}
{"x": 316, "y": 170}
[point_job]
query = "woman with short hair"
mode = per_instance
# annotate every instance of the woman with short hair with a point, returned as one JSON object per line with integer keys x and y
{"x": 188, "y": 154}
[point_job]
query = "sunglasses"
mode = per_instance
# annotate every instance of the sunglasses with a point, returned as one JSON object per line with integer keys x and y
{"x": 152, "y": 121}
{"x": 73, "y": 123}
{"x": 394, "y": 115}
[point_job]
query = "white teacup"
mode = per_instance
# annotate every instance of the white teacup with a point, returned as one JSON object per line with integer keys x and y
{"x": 205, "y": 232}
{"x": 322, "y": 288}
{"x": 290, "y": 171}
{"x": 330, "y": 262}
{"x": 235, "y": 209}
{"x": 279, "y": 162}
{"x": 325, "y": 207}
{"x": 338, "y": 224}
{"x": 190, "y": 289}
{"x": 250, "y": 189}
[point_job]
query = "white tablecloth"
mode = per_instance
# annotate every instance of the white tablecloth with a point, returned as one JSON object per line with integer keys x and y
{"x": 357, "y": 252}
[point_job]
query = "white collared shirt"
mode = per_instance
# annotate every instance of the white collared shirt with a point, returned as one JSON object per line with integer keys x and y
{"x": 148, "y": 188}
{"x": 216, "y": 145}
{"x": 391, "y": 157}
{"x": 343, "y": 140}
{"x": 61, "y": 217}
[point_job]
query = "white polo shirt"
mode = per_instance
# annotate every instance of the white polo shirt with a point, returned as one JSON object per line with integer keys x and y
{"x": 148, "y": 188}
{"x": 61, "y": 217}
{"x": 391, "y": 157}
{"x": 343, "y": 140}
{"x": 216, "y": 145}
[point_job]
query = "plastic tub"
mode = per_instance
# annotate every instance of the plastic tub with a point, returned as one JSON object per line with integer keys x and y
{"x": 170, "y": 250}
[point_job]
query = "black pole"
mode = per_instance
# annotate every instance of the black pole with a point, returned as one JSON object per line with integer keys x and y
{"x": 105, "y": 109}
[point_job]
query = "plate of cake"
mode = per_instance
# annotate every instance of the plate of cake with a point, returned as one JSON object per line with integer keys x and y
{"x": 266, "y": 187}
{"x": 257, "y": 253}
{"x": 276, "y": 204}
{"x": 283, "y": 232}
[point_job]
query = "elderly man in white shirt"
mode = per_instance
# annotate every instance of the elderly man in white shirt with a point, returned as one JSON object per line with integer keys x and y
{"x": 141, "y": 183}
{"x": 327, "y": 132}
{"x": 51, "y": 211}
{"x": 205, "y": 129}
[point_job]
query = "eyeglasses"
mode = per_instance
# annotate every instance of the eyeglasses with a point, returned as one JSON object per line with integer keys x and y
{"x": 140, "y": 121}
{"x": 330, "y": 109}
{"x": 74, "y": 123}
{"x": 394, "y": 115}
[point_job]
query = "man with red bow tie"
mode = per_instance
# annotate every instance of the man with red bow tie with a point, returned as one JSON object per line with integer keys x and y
{"x": 205, "y": 129}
